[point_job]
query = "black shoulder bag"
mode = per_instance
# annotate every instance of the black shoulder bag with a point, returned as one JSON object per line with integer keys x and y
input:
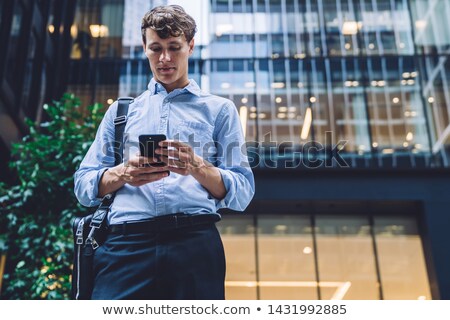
{"x": 90, "y": 231}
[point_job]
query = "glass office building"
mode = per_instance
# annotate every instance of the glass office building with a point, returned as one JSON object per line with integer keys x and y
{"x": 369, "y": 76}
{"x": 345, "y": 106}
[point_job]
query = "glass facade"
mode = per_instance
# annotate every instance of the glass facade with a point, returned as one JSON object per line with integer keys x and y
{"x": 365, "y": 78}
{"x": 289, "y": 256}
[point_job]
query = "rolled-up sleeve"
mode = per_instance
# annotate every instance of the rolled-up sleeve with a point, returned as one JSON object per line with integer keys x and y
{"x": 97, "y": 160}
{"x": 232, "y": 160}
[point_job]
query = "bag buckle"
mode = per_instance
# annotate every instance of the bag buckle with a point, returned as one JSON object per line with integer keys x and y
{"x": 120, "y": 120}
{"x": 94, "y": 244}
{"x": 79, "y": 232}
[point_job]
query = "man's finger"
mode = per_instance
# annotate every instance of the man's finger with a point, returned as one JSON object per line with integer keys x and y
{"x": 173, "y": 144}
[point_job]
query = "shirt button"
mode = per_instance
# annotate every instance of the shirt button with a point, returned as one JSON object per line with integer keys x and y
{"x": 158, "y": 191}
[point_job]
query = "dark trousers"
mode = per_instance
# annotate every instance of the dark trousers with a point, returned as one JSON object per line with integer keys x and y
{"x": 187, "y": 263}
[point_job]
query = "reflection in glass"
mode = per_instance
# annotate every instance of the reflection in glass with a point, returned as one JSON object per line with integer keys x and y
{"x": 239, "y": 244}
{"x": 402, "y": 265}
{"x": 286, "y": 258}
{"x": 346, "y": 264}
{"x": 346, "y": 258}
{"x": 355, "y": 65}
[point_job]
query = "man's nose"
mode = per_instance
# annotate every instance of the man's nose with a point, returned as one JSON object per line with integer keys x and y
{"x": 165, "y": 56}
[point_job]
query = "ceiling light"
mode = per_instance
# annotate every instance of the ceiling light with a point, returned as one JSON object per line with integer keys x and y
{"x": 282, "y": 109}
{"x": 421, "y": 24}
{"x": 409, "y": 136}
{"x": 244, "y": 100}
{"x": 249, "y": 84}
{"x": 431, "y": 100}
{"x": 278, "y": 99}
{"x": 243, "y": 112}
{"x": 225, "y": 85}
{"x": 277, "y": 85}
{"x": 396, "y": 100}
{"x": 312, "y": 99}
{"x": 350, "y": 28}
{"x": 306, "y": 124}
{"x": 99, "y": 30}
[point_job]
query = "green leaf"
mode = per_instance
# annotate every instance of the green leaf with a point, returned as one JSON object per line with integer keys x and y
{"x": 35, "y": 214}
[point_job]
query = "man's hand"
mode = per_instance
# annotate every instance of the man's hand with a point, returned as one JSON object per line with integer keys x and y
{"x": 136, "y": 172}
{"x": 139, "y": 171}
{"x": 181, "y": 159}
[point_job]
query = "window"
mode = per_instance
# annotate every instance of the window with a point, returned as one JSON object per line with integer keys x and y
{"x": 277, "y": 256}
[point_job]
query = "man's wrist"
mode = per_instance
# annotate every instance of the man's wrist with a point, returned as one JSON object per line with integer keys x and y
{"x": 115, "y": 174}
{"x": 199, "y": 167}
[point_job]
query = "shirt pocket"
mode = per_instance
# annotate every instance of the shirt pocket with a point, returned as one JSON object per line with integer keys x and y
{"x": 198, "y": 135}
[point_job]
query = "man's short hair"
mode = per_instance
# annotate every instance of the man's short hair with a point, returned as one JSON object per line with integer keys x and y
{"x": 169, "y": 21}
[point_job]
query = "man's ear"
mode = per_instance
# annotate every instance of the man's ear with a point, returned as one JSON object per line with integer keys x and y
{"x": 191, "y": 46}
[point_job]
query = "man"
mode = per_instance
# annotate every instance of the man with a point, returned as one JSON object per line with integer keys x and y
{"x": 162, "y": 241}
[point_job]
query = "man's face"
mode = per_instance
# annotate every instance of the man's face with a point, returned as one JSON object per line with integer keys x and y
{"x": 168, "y": 59}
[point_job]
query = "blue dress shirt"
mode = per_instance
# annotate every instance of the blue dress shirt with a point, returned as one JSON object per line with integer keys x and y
{"x": 210, "y": 124}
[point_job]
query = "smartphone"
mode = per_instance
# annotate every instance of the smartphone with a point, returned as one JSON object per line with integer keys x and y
{"x": 148, "y": 143}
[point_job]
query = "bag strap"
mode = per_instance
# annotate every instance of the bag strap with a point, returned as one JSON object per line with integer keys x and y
{"x": 119, "y": 122}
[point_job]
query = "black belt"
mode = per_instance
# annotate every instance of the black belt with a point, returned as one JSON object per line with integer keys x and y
{"x": 164, "y": 223}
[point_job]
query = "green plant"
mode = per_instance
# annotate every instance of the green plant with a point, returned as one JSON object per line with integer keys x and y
{"x": 35, "y": 214}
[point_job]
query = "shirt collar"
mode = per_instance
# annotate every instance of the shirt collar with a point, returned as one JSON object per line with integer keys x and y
{"x": 156, "y": 87}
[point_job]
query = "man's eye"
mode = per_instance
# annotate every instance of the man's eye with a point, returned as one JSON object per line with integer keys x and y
{"x": 155, "y": 49}
{"x": 175, "y": 48}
